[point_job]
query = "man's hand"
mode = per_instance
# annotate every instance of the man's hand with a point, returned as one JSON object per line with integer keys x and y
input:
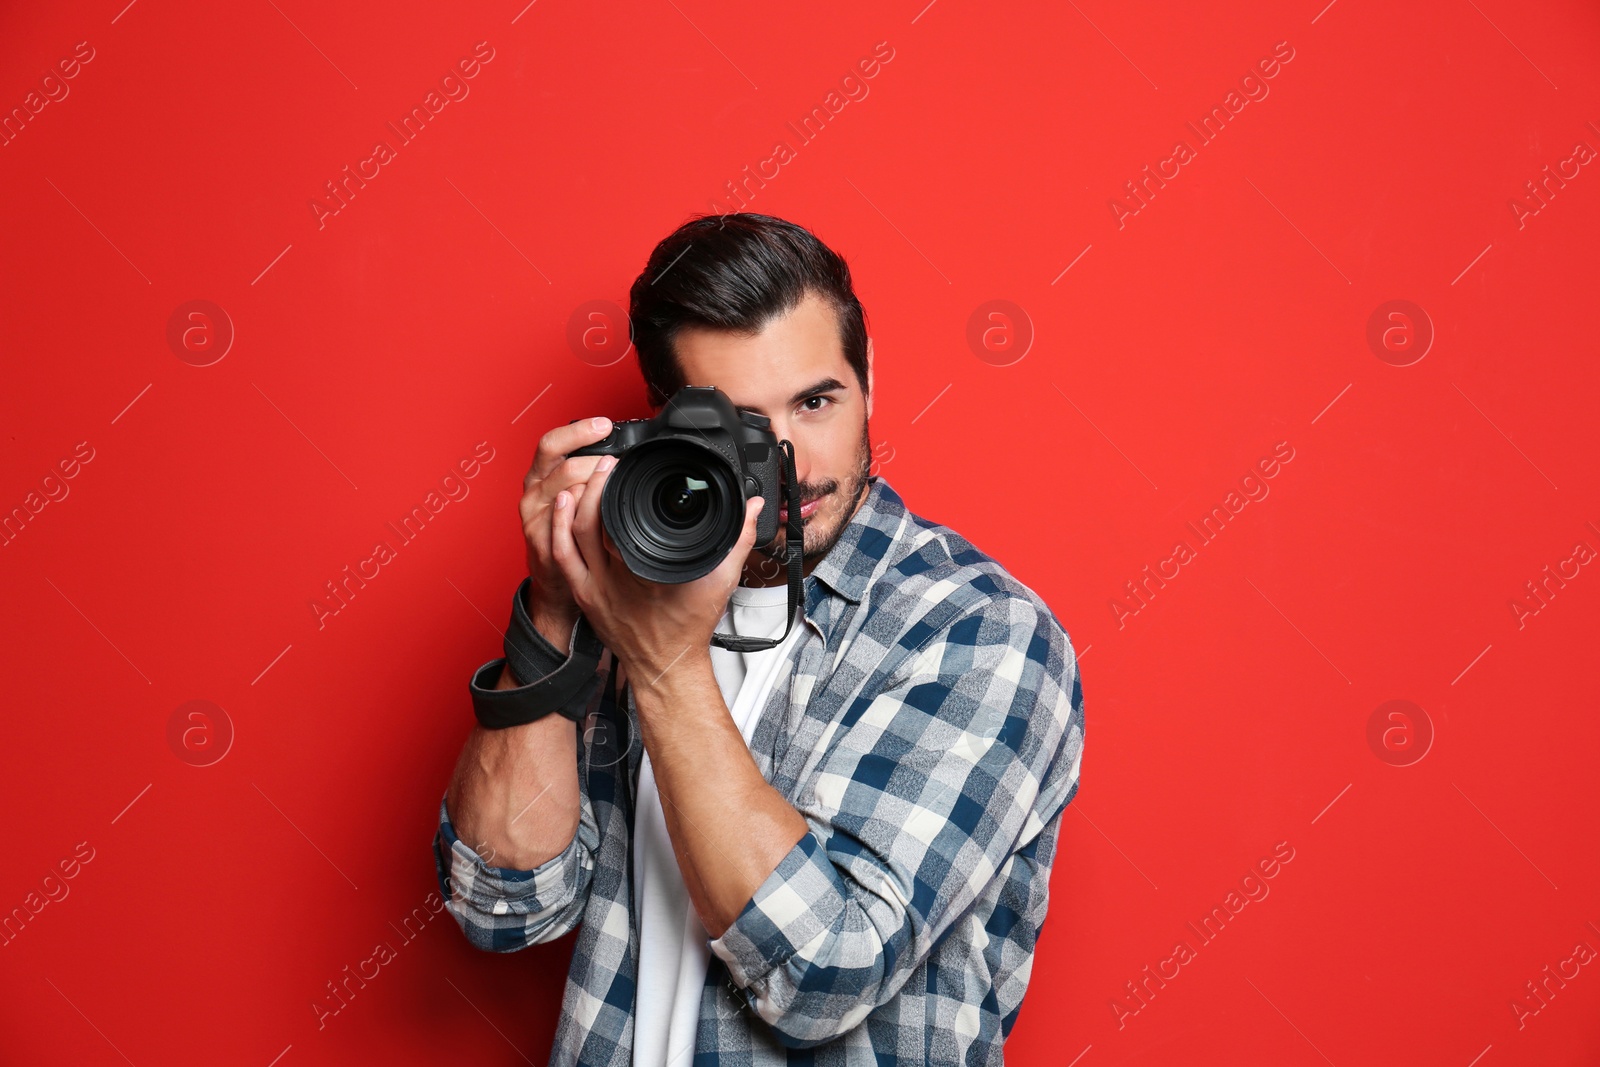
{"x": 551, "y": 605}
{"x": 647, "y": 625}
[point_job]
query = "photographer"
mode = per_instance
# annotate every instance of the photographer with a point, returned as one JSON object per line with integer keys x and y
{"x": 840, "y": 841}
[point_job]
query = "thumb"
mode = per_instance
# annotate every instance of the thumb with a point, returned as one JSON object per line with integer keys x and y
{"x": 733, "y": 564}
{"x": 752, "y": 512}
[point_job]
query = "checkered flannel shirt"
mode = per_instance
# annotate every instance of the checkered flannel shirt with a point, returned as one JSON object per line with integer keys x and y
{"x": 931, "y": 733}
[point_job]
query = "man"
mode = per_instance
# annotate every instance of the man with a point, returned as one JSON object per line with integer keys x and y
{"x": 842, "y": 844}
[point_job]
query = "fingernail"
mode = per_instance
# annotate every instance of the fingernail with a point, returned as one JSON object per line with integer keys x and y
{"x": 606, "y": 463}
{"x": 601, "y": 423}
{"x": 561, "y": 499}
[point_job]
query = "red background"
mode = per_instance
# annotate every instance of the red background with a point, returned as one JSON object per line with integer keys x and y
{"x": 1229, "y": 713}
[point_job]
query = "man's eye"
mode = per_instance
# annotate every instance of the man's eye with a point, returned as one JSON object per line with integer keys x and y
{"x": 809, "y": 399}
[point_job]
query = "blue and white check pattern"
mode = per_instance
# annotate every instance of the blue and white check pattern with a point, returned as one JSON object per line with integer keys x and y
{"x": 931, "y": 734}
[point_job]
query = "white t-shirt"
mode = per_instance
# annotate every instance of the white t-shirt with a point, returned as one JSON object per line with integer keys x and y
{"x": 674, "y": 946}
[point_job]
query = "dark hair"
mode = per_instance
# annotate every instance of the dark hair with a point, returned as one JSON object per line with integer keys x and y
{"x": 735, "y": 272}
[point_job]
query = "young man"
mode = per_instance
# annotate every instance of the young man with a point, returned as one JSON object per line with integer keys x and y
{"x": 841, "y": 844}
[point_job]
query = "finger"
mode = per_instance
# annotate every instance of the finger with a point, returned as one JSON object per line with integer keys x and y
{"x": 586, "y": 518}
{"x": 733, "y": 565}
{"x": 562, "y": 545}
{"x": 574, "y": 470}
{"x": 538, "y": 517}
{"x": 554, "y": 445}
{"x": 752, "y": 512}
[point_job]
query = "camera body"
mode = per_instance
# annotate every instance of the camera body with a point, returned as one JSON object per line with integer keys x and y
{"x": 674, "y": 504}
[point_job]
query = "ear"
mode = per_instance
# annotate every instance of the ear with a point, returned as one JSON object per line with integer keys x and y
{"x": 871, "y": 392}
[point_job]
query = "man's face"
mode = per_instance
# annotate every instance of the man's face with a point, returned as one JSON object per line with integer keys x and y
{"x": 794, "y": 372}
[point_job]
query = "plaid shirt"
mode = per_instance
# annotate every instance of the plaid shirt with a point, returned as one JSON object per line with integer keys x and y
{"x": 930, "y": 732}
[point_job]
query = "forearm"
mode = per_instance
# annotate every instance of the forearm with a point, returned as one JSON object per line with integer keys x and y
{"x": 729, "y": 827}
{"x": 514, "y": 795}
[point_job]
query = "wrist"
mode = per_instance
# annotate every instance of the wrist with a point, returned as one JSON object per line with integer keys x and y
{"x": 656, "y": 682}
{"x": 554, "y": 624}
{"x": 507, "y": 680}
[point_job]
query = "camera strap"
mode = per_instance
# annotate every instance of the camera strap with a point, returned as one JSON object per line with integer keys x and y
{"x": 538, "y": 692}
{"x": 794, "y": 549}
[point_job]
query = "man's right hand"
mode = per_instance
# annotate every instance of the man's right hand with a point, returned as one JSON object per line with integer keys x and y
{"x": 551, "y": 606}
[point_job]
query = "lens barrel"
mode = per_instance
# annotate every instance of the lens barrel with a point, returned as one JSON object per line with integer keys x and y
{"x": 674, "y": 508}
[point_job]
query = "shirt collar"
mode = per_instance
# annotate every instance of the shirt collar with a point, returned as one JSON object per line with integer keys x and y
{"x": 862, "y": 549}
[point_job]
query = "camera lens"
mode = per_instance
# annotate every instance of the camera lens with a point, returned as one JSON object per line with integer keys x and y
{"x": 681, "y": 500}
{"x": 673, "y": 508}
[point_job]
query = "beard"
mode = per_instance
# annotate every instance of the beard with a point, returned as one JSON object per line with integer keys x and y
{"x": 818, "y": 540}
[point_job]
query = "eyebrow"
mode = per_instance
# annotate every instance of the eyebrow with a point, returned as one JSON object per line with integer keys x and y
{"x": 826, "y": 385}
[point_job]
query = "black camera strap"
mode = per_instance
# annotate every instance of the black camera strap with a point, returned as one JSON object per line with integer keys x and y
{"x": 794, "y": 548}
{"x": 538, "y": 692}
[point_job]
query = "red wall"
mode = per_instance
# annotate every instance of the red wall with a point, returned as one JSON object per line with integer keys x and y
{"x": 1424, "y": 470}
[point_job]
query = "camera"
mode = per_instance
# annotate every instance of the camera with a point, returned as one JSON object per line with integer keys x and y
{"x": 674, "y": 504}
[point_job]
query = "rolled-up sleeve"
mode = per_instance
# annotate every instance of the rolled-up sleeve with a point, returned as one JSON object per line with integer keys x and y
{"x": 503, "y": 909}
{"x": 934, "y": 781}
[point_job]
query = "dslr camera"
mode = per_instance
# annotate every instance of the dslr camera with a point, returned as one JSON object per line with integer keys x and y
{"x": 674, "y": 504}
